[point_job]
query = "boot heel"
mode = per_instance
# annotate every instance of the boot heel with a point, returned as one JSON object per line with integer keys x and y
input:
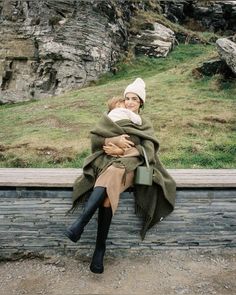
{"x": 96, "y": 265}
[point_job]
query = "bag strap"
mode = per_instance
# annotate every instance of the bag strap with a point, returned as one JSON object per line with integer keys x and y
{"x": 145, "y": 156}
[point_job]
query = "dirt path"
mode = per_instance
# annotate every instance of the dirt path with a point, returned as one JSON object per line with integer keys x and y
{"x": 161, "y": 272}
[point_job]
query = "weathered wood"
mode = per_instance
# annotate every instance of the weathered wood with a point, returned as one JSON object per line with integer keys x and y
{"x": 51, "y": 177}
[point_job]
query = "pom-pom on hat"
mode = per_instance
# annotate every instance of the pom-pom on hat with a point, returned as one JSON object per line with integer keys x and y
{"x": 138, "y": 88}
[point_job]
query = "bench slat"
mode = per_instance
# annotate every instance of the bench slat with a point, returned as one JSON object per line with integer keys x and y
{"x": 64, "y": 177}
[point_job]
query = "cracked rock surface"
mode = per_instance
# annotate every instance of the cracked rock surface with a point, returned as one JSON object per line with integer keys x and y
{"x": 49, "y": 46}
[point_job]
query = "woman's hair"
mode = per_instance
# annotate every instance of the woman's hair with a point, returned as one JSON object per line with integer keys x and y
{"x": 111, "y": 103}
{"x": 141, "y": 103}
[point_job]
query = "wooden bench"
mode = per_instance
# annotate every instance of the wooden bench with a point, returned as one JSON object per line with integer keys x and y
{"x": 33, "y": 203}
{"x": 59, "y": 177}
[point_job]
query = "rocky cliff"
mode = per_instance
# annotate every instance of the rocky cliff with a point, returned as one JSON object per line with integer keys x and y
{"x": 50, "y": 46}
{"x": 214, "y": 16}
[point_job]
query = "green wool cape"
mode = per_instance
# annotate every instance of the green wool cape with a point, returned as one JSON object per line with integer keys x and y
{"x": 154, "y": 202}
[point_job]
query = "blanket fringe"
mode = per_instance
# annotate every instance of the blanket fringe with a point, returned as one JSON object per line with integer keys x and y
{"x": 139, "y": 211}
{"x": 76, "y": 204}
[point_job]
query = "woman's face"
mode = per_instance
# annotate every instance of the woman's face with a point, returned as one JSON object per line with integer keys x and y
{"x": 132, "y": 102}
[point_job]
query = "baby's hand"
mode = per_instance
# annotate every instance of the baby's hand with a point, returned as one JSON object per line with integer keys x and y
{"x": 113, "y": 150}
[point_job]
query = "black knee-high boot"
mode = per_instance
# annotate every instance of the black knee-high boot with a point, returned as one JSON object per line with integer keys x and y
{"x": 94, "y": 201}
{"x": 104, "y": 221}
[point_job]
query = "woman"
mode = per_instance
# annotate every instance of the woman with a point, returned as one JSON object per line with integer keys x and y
{"x": 107, "y": 173}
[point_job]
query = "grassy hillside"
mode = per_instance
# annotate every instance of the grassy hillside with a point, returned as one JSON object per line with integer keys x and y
{"x": 194, "y": 118}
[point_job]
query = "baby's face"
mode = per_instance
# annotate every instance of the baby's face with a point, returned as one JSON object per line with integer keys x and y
{"x": 120, "y": 104}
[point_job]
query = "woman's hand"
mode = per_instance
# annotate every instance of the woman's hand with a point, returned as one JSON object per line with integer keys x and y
{"x": 113, "y": 150}
{"x": 121, "y": 141}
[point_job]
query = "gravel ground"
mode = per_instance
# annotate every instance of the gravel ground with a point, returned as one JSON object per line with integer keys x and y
{"x": 159, "y": 272}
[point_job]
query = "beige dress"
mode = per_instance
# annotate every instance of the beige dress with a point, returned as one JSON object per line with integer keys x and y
{"x": 117, "y": 180}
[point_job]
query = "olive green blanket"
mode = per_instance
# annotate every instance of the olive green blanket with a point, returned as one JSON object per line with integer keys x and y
{"x": 154, "y": 202}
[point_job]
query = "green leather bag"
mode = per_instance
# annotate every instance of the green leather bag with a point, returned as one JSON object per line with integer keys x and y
{"x": 143, "y": 174}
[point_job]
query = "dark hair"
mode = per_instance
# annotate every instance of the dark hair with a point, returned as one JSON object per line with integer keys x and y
{"x": 141, "y": 104}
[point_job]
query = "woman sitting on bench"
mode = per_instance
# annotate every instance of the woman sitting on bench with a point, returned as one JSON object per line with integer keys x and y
{"x": 117, "y": 150}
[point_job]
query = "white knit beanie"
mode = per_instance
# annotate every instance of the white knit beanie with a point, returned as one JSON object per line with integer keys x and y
{"x": 138, "y": 88}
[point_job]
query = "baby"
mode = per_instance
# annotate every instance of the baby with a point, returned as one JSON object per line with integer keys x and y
{"x": 117, "y": 111}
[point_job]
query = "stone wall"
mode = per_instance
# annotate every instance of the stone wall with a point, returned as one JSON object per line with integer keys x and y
{"x": 32, "y": 221}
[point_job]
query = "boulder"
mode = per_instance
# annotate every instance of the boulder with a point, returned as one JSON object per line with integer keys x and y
{"x": 154, "y": 42}
{"x": 210, "y": 67}
{"x": 213, "y": 67}
{"x": 227, "y": 52}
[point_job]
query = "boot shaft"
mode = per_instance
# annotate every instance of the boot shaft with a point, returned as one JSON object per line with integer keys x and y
{"x": 94, "y": 201}
{"x": 104, "y": 222}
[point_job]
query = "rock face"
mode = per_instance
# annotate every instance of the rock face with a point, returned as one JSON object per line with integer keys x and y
{"x": 227, "y": 51}
{"x": 49, "y": 46}
{"x": 215, "y": 16}
{"x": 154, "y": 42}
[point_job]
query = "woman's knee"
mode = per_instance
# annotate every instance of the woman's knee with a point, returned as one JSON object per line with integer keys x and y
{"x": 106, "y": 203}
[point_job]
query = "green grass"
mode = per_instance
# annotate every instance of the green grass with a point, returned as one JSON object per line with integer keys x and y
{"x": 147, "y": 67}
{"x": 194, "y": 119}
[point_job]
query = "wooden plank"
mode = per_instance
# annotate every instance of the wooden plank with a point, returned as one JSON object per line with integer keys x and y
{"x": 64, "y": 177}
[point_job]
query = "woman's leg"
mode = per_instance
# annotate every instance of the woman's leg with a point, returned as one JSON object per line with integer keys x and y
{"x": 106, "y": 202}
{"x": 116, "y": 180}
{"x": 104, "y": 221}
{"x": 113, "y": 180}
{"x": 94, "y": 201}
